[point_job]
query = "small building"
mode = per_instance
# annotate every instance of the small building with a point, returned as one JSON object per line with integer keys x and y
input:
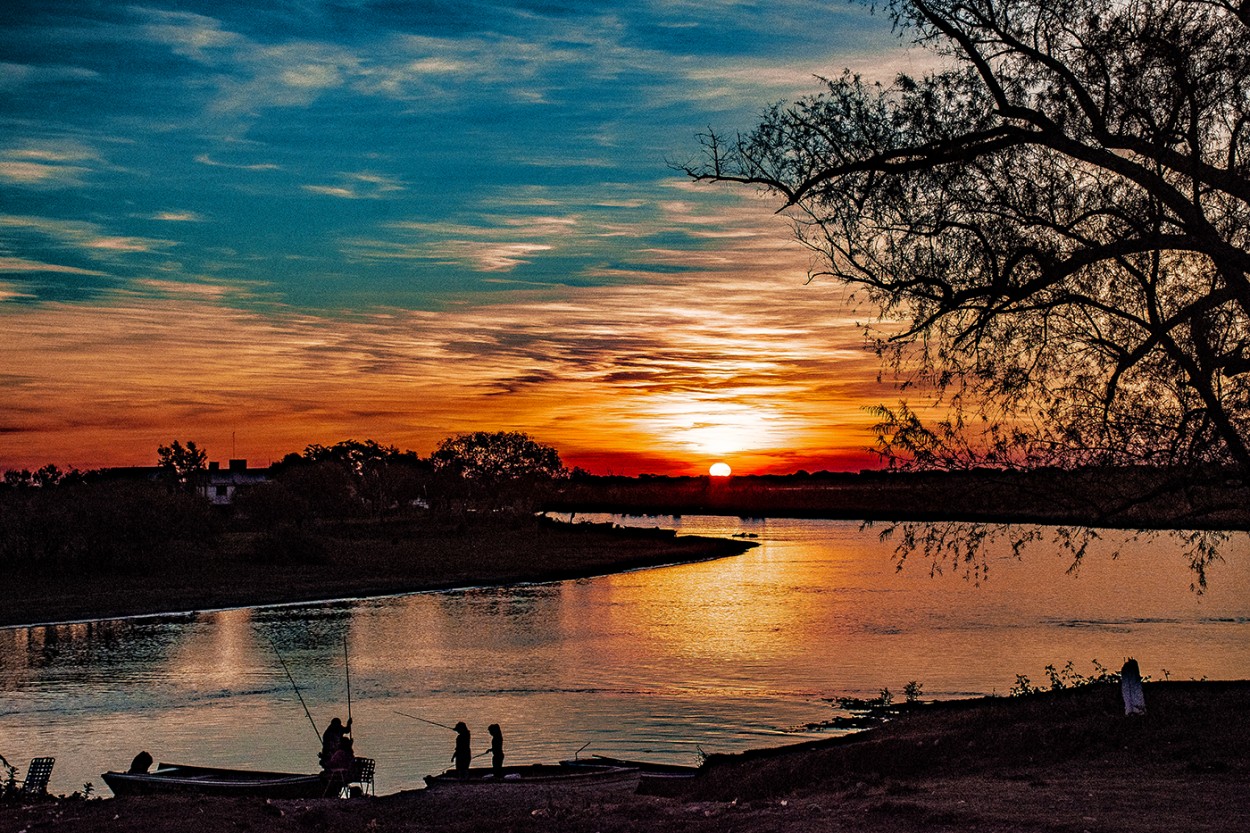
{"x": 219, "y": 486}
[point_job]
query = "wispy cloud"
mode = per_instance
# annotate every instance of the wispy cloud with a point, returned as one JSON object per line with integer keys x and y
{"x": 10, "y": 292}
{"x": 195, "y": 36}
{"x": 496, "y": 257}
{"x": 358, "y": 186}
{"x": 205, "y": 159}
{"x": 177, "y": 217}
{"x": 86, "y": 238}
{"x": 493, "y": 244}
{"x": 187, "y": 289}
{"x": 20, "y": 264}
{"x": 56, "y": 165}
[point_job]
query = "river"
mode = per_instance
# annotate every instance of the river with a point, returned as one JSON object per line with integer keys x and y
{"x": 662, "y": 663}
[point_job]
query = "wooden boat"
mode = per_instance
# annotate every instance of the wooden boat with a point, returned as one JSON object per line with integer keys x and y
{"x": 653, "y": 778}
{"x": 179, "y": 778}
{"x": 652, "y": 767}
{"x": 532, "y": 774}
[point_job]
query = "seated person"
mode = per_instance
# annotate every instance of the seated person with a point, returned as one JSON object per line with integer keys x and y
{"x": 140, "y": 764}
{"x": 341, "y": 767}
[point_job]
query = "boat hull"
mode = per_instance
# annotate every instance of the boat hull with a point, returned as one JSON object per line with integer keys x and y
{"x": 181, "y": 779}
{"x": 641, "y": 766}
{"x": 653, "y": 778}
{"x": 531, "y": 774}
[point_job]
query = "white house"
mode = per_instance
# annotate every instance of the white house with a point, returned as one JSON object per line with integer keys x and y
{"x": 220, "y": 485}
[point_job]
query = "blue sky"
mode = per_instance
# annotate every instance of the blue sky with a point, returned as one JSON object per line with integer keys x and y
{"x": 210, "y": 211}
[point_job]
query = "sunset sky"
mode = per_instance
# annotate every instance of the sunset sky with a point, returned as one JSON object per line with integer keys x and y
{"x": 263, "y": 225}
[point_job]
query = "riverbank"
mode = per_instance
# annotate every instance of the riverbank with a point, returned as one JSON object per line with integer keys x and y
{"x": 352, "y": 561}
{"x": 1058, "y": 761}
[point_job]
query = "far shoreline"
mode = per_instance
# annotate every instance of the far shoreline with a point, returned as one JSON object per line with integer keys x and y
{"x": 397, "y": 594}
{"x": 394, "y": 560}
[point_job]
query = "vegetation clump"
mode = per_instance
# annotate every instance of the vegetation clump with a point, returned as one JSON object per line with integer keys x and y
{"x": 1066, "y": 677}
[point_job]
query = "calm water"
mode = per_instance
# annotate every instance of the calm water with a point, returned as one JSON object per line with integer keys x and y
{"x": 718, "y": 656}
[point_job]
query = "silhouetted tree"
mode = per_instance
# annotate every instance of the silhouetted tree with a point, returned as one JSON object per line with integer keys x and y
{"x": 45, "y": 477}
{"x": 49, "y": 476}
{"x": 502, "y": 469}
{"x": 355, "y": 478}
{"x": 180, "y": 463}
{"x": 1059, "y": 218}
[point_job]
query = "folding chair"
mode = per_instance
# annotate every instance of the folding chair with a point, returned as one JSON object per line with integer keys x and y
{"x": 336, "y": 782}
{"x": 363, "y": 775}
{"x": 37, "y": 775}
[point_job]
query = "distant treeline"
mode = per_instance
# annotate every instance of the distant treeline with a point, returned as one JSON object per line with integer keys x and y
{"x": 1133, "y": 498}
{"x": 122, "y": 519}
{"x": 90, "y": 523}
{"x": 126, "y": 519}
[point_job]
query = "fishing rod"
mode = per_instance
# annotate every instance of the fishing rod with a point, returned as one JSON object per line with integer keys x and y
{"x": 423, "y": 720}
{"x": 348, "y": 668}
{"x": 312, "y": 722}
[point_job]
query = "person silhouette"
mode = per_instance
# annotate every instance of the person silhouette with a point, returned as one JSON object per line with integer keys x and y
{"x": 141, "y": 763}
{"x": 340, "y": 766}
{"x": 496, "y": 749}
{"x": 1131, "y": 690}
{"x": 463, "y": 754}
{"x": 343, "y": 757}
{"x": 332, "y": 739}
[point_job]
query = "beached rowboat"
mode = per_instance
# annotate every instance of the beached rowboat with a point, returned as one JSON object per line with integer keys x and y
{"x": 532, "y": 774}
{"x": 179, "y": 778}
{"x": 641, "y": 766}
{"x": 653, "y": 778}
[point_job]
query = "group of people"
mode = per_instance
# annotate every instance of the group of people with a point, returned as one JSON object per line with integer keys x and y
{"x": 337, "y": 756}
{"x": 464, "y": 753}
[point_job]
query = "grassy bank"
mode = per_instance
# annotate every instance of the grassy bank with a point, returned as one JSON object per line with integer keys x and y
{"x": 1048, "y": 763}
{"x": 351, "y": 559}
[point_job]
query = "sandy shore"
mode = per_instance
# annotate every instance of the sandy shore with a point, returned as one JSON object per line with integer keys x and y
{"x": 1064, "y": 761}
{"x": 359, "y": 561}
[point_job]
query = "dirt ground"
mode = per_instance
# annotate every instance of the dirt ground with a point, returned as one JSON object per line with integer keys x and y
{"x": 1060, "y": 761}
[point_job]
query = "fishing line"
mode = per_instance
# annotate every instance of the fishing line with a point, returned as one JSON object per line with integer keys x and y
{"x": 278, "y": 653}
{"x": 423, "y": 720}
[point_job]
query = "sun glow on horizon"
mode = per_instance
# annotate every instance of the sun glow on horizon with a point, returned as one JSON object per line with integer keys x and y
{"x": 720, "y": 470}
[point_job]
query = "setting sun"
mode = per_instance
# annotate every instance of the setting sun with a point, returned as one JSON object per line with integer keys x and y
{"x": 720, "y": 470}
